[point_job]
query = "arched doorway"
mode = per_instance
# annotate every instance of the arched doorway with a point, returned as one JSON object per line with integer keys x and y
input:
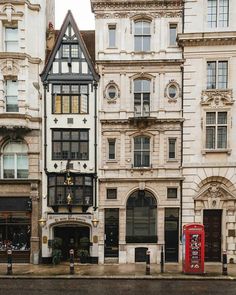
{"x": 141, "y": 218}
{"x": 73, "y": 236}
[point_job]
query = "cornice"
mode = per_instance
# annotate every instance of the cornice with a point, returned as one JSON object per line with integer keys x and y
{"x": 154, "y": 62}
{"x": 155, "y": 121}
{"x": 206, "y": 39}
{"x": 157, "y": 14}
{"x": 35, "y": 7}
{"x": 19, "y": 116}
{"x": 20, "y": 56}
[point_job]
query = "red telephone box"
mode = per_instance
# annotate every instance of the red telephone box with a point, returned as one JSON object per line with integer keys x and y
{"x": 193, "y": 248}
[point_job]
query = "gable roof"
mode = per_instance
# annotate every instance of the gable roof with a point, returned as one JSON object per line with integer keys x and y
{"x": 69, "y": 19}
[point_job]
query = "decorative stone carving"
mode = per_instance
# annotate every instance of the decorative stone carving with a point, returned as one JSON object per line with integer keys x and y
{"x": 111, "y": 92}
{"x": 172, "y": 97}
{"x": 217, "y": 98}
{"x": 160, "y": 14}
{"x": 51, "y": 37}
{"x": 9, "y": 68}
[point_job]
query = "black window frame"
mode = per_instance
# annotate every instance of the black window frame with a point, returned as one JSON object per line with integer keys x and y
{"x": 111, "y": 144}
{"x": 70, "y": 141}
{"x": 111, "y": 194}
{"x": 69, "y": 94}
{"x": 172, "y": 192}
{"x": 79, "y": 182}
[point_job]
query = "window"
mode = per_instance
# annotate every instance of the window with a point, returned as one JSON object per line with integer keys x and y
{"x": 11, "y": 39}
{"x": 141, "y": 98}
{"x": 173, "y": 33}
{"x": 141, "y": 215}
{"x": 70, "y": 99}
{"x": 111, "y": 148}
{"x": 70, "y": 144}
{"x": 15, "y": 160}
{"x": 216, "y": 130}
{"x": 111, "y": 193}
{"x": 218, "y": 13}
{"x": 172, "y": 148}
{"x": 141, "y": 151}
{"x": 81, "y": 190}
{"x": 172, "y": 193}
{"x": 142, "y": 36}
{"x": 11, "y": 96}
{"x": 112, "y": 35}
{"x": 217, "y": 74}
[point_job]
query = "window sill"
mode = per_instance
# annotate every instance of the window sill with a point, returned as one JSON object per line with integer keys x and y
{"x": 112, "y": 161}
{"x": 216, "y": 151}
{"x": 173, "y": 160}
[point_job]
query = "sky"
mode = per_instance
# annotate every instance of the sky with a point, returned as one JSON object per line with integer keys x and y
{"x": 81, "y": 10}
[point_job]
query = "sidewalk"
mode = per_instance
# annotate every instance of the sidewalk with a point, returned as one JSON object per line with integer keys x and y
{"x": 213, "y": 271}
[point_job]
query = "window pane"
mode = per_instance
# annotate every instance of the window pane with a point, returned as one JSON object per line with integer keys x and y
{"x": 173, "y": 32}
{"x": 66, "y": 135}
{"x": 74, "y": 135}
{"x": 75, "y": 105}
{"x": 172, "y": 142}
{"x": 11, "y": 39}
{"x": 212, "y": 13}
{"x": 22, "y": 166}
{"x": 65, "y": 50}
{"x": 74, "y": 50}
{"x": 65, "y": 150}
{"x": 112, "y": 36}
{"x": 57, "y": 104}
{"x": 83, "y": 104}
{"x": 65, "y": 104}
{"x": 111, "y": 144}
{"x": 211, "y": 75}
{"x": 223, "y": 13}
{"x": 171, "y": 192}
{"x": 84, "y": 150}
{"x": 222, "y": 74}
{"x": 74, "y": 150}
{"x": 146, "y": 43}
{"x": 210, "y": 137}
{"x": 84, "y": 135}
{"x": 222, "y": 137}
{"x": 8, "y": 166}
{"x": 222, "y": 118}
{"x": 210, "y": 118}
{"x": 56, "y": 150}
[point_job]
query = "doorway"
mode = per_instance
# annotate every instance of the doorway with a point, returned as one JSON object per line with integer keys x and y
{"x": 212, "y": 224}
{"x": 71, "y": 236}
{"x": 171, "y": 234}
{"x": 111, "y": 232}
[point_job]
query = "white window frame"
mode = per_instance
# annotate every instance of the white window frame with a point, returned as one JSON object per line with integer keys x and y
{"x": 111, "y": 140}
{"x": 171, "y": 42}
{"x": 11, "y": 42}
{"x": 217, "y": 21}
{"x": 112, "y": 33}
{"x": 144, "y": 36}
{"x": 11, "y": 96}
{"x": 144, "y": 103}
{"x": 217, "y": 74}
{"x": 142, "y": 152}
{"x": 169, "y": 139}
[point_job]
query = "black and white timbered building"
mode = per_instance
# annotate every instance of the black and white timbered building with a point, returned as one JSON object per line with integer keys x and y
{"x": 69, "y": 136}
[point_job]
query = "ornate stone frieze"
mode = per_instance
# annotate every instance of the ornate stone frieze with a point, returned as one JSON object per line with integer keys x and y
{"x": 31, "y": 6}
{"x": 217, "y": 98}
{"x": 158, "y": 14}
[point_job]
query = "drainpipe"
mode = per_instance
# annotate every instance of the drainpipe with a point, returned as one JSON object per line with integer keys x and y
{"x": 95, "y": 146}
{"x": 45, "y": 86}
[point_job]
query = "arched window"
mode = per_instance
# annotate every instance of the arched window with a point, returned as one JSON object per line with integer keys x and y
{"x": 141, "y": 216}
{"x": 15, "y": 160}
{"x": 141, "y": 98}
{"x": 141, "y": 151}
{"x": 142, "y": 35}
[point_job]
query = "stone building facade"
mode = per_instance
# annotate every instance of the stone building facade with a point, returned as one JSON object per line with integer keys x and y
{"x": 22, "y": 54}
{"x": 209, "y": 154}
{"x": 140, "y": 119}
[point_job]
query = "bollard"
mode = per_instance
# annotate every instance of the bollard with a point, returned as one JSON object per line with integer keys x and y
{"x": 72, "y": 264}
{"x": 162, "y": 259}
{"x": 9, "y": 262}
{"x": 148, "y": 262}
{"x": 224, "y": 264}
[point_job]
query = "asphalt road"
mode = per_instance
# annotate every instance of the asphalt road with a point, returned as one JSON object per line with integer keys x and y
{"x": 115, "y": 287}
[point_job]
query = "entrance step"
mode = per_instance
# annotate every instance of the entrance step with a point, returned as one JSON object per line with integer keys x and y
{"x": 111, "y": 260}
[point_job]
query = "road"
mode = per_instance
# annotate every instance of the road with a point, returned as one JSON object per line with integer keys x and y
{"x": 115, "y": 287}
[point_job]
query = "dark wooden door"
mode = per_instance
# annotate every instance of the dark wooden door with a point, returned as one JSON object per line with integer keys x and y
{"x": 111, "y": 232}
{"x": 212, "y": 223}
{"x": 171, "y": 234}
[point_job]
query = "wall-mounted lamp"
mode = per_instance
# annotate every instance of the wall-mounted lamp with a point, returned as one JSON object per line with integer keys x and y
{"x": 42, "y": 222}
{"x": 95, "y": 222}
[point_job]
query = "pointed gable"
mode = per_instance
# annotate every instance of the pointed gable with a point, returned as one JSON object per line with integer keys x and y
{"x": 69, "y": 59}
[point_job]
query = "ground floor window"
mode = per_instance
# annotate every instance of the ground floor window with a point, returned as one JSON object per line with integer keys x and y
{"x": 15, "y": 231}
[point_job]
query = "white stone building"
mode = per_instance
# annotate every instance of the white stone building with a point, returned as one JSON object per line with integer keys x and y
{"x": 70, "y": 144}
{"x": 209, "y": 153}
{"x": 140, "y": 103}
{"x": 23, "y": 26}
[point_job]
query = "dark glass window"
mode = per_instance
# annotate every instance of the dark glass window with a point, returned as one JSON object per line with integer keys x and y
{"x": 172, "y": 148}
{"x": 172, "y": 192}
{"x": 70, "y": 144}
{"x": 111, "y": 193}
{"x": 217, "y": 74}
{"x": 80, "y": 190}
{"x": 141, "y": 216}
{"x": 70, "y": 99}
{"x": 111, "y": 147}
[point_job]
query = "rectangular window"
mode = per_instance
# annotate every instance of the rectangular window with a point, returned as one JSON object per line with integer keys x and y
{"x": 111, "y": 149}
{"x": 172, "y": 148}
{"x": 172, "y": 193}
{"x": 142, "y": 36}
{"x": 216, "y": 130}
{"x": 70, "y": 51}
{"x": 217, "y": 74}
{"x": 70, "y": 99}
{"x": 218, "y": 13}
{"x": 141, "y": 151}
{"x": 111, "y": 193}
{"x": 173, "y": 34}
{"x": 11, "y": 97}
{"x": 11, "y": 39}
{"x": 70, "y": 144}
{"x": 112, "y": 35}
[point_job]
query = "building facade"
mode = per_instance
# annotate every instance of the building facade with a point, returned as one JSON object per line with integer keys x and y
{"x": 22, "y": 54}
{"x": 140, "y": 118}
{"x": 209, "y": 154}
{"x": 70, "y": 145}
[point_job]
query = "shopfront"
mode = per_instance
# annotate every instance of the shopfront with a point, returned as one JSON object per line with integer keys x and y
{"x": 15, "y": 228}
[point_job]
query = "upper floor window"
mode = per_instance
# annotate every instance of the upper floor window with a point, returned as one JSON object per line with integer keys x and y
{"x": 11, "y": 96}
{"x": 111, "y": 149}
{"x": 141, "y": 151}
{"x": 141, "y": 98}
{"x": 173, "y": 34}
{"x": 70, "y": 99}
{"x": 218, "y": 13}
{"x": 217, "y": 75}
{"x": 112, "y": 35}
{"x": 216, "y": 130}
{"x": 70, "y": 144}
{"x": 15, "y": 160}
{"x": 172, "y": 148}
{"x": 11, "y": 39}
{"x": 142, "y": 35}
